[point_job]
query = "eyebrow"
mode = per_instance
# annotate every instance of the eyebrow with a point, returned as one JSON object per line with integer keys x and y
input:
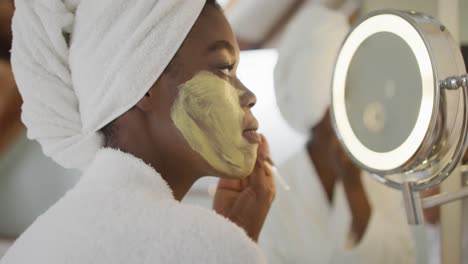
{"x": 220, "y": 45}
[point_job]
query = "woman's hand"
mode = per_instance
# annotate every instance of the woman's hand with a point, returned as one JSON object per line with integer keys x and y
{"x": 246, "y": 202}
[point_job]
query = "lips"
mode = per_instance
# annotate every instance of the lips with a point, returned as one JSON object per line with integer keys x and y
{"x": 252, "y": 136}
{"x": 250, "y": 129}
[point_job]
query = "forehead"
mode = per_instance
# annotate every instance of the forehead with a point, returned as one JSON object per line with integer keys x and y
{"x": 210, "y": 27}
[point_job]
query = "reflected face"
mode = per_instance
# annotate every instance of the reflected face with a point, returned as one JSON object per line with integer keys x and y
{"x": 201, "y": 114}
{"x": 208, "y": 113}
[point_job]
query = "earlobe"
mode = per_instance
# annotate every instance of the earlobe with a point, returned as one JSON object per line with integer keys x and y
{"x": 146, "y": 102}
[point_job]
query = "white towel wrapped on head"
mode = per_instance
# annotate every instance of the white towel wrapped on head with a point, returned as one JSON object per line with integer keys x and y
{"x": 81, "y": 64}
{"x": 306, "y": 61}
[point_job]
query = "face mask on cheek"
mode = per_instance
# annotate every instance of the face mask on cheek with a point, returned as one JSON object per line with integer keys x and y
{"x": 208, "y": 114}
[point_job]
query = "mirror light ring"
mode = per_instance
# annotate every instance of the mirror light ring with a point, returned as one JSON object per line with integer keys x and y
{"x": 391, "y": 160}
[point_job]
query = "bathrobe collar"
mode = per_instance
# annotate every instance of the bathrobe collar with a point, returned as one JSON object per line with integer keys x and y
{"x": 113, "y": 169}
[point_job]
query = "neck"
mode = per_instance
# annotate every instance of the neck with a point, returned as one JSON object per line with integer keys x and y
{"x": 132, "y": 135}
{"x": 179, "y": 178}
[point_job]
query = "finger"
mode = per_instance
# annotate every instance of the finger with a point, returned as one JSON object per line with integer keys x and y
{"x": 263, "y": 152}
{"x": 262, "y": 176}
{"x": 268, "y": 168}
{"x": 245, "y": 182}
{"x": 231, "y": 184}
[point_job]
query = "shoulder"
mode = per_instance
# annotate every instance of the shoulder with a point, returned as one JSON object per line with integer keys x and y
{"x": 163, "y": 231}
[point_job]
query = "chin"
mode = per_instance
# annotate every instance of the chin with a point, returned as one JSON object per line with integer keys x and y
{"x": 238, "y": 172}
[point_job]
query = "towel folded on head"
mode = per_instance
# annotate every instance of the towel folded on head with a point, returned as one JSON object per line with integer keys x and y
{"x": 306, "y": 61}
{"x": 81, "y": 64}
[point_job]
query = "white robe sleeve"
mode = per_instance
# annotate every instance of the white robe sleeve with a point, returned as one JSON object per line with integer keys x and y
{"x": 210, "y": 238}
{"x": 113, "y": 227}
{"x": 387, "y": 238}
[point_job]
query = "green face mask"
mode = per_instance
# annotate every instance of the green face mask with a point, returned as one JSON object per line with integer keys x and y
{"x": 208, "y": 113}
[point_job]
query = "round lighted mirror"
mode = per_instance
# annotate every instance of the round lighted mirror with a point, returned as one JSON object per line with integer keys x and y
{"x": 390, "y": 112}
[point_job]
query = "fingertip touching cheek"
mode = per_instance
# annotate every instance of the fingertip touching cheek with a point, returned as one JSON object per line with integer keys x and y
{"x": 209, "y": 115}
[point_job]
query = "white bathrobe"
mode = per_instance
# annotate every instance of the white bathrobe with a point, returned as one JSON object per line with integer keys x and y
{"x": 303, "y": 228}
{"x": 122, "y": 211}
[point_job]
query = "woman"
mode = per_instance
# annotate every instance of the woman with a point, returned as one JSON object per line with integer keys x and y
{"x": 143, "y": 96}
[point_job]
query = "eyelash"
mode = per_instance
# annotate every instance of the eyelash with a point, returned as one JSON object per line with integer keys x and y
{"x": 228, "y": 67}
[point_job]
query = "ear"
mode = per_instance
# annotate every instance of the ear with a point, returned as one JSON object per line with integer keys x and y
{"x": 147, "y": 102}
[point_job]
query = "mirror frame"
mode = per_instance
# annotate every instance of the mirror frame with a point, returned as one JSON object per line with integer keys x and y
{"x": 421, "y": 159}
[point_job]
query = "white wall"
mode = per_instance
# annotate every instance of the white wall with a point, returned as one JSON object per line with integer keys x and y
{"x": 425, "y": 6}
{"x": 30, "y": 183}
{"x": 464, "y": 21}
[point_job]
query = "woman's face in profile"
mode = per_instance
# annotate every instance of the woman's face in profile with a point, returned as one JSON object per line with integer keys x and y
{"x": 201, "y": 114}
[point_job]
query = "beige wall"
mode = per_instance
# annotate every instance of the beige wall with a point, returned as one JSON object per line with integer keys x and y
{"x": 426, "y": 6}
{"x": 464, "y": 20}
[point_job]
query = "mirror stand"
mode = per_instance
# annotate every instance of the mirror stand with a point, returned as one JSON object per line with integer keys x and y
{"x": 452, "y": 215}
{"x": 414, "y": 204}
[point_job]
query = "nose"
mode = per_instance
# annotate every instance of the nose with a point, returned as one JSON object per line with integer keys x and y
{"x": 248, "y": 98}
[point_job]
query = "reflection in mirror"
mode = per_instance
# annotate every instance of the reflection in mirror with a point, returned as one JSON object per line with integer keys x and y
{"x": 383, "y": 85}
